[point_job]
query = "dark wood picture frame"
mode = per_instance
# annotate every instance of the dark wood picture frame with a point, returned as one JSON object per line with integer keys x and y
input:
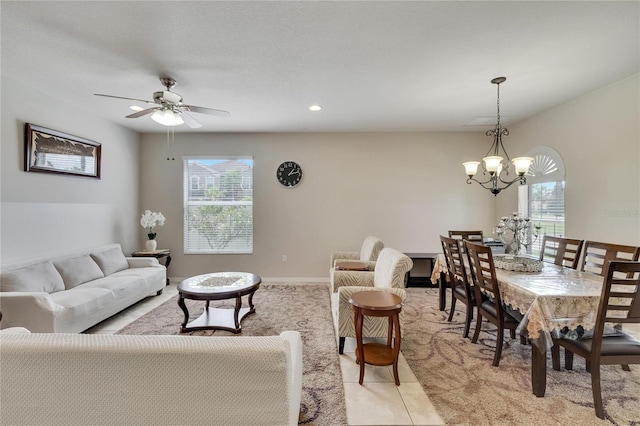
{"x": 50, "y": 151}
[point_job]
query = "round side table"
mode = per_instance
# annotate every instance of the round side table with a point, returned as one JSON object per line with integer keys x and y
{"x": 377, "y": 304}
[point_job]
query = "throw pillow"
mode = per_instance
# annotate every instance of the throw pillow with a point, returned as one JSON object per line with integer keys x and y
{"x": 110, "y": 261}
{"x": 78, "y": 270}
{"x": 41, "y": 277}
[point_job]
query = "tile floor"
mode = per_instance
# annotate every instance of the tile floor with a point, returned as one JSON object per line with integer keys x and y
{"x": 377, "y": 402}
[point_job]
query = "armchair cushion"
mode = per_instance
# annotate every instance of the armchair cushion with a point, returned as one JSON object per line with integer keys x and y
{"x": 351, "y": 279}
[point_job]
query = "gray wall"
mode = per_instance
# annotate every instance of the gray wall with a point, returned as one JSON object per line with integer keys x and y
{"x": 43, "y": 213}
{"x": 405, "y": 188}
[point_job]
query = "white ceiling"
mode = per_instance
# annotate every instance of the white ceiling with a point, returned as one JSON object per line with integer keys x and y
{"x": 373, "y": 66}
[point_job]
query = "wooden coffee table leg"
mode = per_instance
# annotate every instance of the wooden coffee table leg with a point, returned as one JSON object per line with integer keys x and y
{"x": 252, "y": 309}
{"x": 236, "y": 311}
{"x": 185, "y": 310}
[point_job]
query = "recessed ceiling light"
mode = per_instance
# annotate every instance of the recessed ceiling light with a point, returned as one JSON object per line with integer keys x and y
{"x": 315, "y": 107}
{"x": 136, "y": 108}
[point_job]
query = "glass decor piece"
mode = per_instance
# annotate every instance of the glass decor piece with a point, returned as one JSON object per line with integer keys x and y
{"x": 516, "y": 232}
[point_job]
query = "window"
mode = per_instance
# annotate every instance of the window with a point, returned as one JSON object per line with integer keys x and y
{"x": 218, "y": 218}
{"x": 542, "y": 199}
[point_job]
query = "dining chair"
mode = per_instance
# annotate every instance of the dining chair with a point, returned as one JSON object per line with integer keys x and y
{"x": 488, "y": 299}
{"x": 461, "y": 289}
{"x": 561, "y": 251}
{"x": 619, "y": 303}
{"x": 597, "y": 254}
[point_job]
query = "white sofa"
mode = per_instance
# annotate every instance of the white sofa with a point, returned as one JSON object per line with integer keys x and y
{"x": 70, "y": 293}
{"x": 97, "y": 379}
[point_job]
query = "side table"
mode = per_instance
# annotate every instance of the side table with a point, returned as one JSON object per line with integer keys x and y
{"x": 158, "y": 254}
{"x": 377, "y": 304}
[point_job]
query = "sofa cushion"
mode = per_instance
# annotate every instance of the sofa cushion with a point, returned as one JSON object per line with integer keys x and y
{"x": 41, "y": 277}
{"x": 78, "y": 270}
{"x": 110, "y": 261}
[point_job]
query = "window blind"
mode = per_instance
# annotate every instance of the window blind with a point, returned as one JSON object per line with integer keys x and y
{"x": 218, "y": 205}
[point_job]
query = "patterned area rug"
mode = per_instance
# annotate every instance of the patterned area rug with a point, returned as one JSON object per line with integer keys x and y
{"x": 458, "y": 378}
{"x": 279, "y": 307}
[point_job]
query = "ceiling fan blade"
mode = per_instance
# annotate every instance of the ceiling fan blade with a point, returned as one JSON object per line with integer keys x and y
{"x": 143, "y": 112}
{"x": 203, "y": 110}
{"x": 121, "y": 97}
{"x": 191, "y": 122}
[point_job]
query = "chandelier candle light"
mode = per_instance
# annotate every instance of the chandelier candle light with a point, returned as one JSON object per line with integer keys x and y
{"x": 496, "y": 165}
{"x": 149, "y": 220}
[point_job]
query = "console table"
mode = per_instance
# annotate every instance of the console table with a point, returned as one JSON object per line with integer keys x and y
{"x": 421, "y": 281}
{"x": 158, "y": 254}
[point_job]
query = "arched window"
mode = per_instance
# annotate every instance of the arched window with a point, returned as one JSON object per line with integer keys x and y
{"x": 542, "y": 198}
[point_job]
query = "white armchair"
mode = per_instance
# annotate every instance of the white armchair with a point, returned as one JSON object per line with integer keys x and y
{"x": 389, "y": 275}
{"x": 369, "y": 252}
{"x": 342, "y": 263}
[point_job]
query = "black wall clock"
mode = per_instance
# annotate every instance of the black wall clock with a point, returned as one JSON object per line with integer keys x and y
{"x": 289, "y": 173}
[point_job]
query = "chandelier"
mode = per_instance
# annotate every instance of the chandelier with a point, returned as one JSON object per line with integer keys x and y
{"x": 495, "y": 165}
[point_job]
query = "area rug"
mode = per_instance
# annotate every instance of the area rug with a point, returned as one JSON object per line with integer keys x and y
{"x": 465, "y": 388}
{"x": 279, "y": 307}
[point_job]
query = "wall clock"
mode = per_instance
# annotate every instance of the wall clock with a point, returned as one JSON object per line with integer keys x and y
{"x": 289, "y": 173}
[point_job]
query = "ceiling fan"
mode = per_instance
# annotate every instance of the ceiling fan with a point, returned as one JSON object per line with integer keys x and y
{"x": 169, "y": 109}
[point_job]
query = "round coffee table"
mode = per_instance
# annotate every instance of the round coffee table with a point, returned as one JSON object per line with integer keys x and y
{"x": 218, "y": 286}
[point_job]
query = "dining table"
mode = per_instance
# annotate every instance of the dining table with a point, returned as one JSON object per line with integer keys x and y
{"x": 556, "y": 300}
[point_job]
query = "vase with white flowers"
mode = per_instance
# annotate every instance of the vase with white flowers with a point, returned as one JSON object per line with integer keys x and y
{"x": 150, "y": 220}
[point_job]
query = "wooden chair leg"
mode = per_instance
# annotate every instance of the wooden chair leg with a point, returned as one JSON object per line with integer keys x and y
{"x": 625, "y": 367}
{"x": 498, "y": 355}
{"x": 467, "y": 323}
{"x": 588, "y": 363}
{"x": 555, "y": 356}
{"x": 597, "y": 392}
{"x": 568, "y": 359}
{"x": 453, "y": 307}
{"x": 512, "y": 333}
{"x": 474, "y": 339}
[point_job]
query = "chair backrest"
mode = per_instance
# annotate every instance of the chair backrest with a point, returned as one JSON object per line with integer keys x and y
{"x": 597, "y": 255}
{"x": 561, "y": 251}
{"x": 483, "y": 274}
{"x": 620, "y": 298}
{"x": 391, "y": 268}
{"x": 473, "y": 236}
{"x": 455, "y": 262}
{"x": 371, "y": 249}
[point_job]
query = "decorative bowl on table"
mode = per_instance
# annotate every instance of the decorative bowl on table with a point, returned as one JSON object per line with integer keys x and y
{"x": 517, "y": 263}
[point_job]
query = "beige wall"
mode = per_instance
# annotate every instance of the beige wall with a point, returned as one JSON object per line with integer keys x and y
{"x": 598, "y": 137}
{"x": 42, "y": 213}
{"x": 405, "y": 188}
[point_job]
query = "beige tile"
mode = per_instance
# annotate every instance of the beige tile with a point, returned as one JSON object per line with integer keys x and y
{"x": 372, "y": 373}
{"x": 418, "y": 405}
{"x": 375, "y": 404}
{"x": 404, "y": 371}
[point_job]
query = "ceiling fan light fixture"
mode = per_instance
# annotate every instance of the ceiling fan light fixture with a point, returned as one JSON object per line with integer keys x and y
{"x": 166, "y": 117}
